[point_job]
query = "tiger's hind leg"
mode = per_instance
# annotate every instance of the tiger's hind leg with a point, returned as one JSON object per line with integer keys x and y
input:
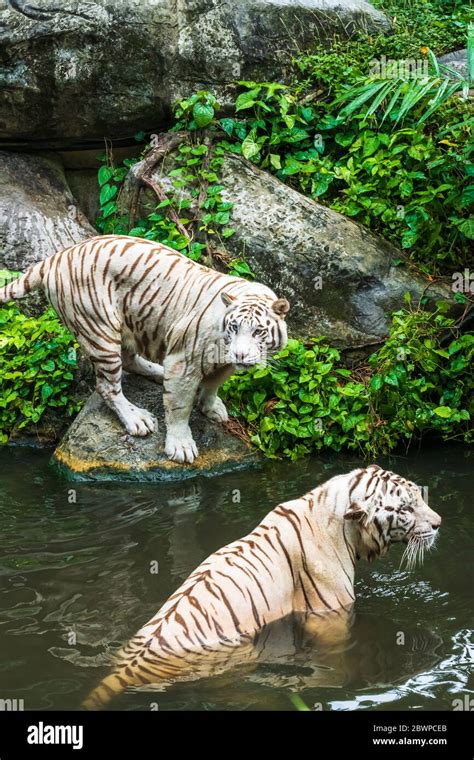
{"x": 101, "y": 341}
{"x": 136, "y": 421}
{"x": 212, "y": 406}
{"x": 139, "y": 366}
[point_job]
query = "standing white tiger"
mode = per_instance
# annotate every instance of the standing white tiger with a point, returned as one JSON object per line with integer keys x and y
{"x": 138, "y": 305}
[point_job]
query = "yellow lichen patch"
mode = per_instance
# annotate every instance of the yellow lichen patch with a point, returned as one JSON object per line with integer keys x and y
{"x": 204, "y": 461}
{"x": 76, "y": 464}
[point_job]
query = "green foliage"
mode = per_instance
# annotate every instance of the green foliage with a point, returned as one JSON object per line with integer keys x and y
{"x": 305, "y": 401}
{"x": 195, "y": 183}
{"x": 110, "y": 179}
{"x": 196, "y": 112}
{"x": 413, "y": 188}
{"x": 412, "y": 185}
{"x": 240, "y": 268}
{"x": 422, "y": 384}
{"x": 6, "y": 275}
{"x": 439, "y": 24}
{"x": 37, "y": 361}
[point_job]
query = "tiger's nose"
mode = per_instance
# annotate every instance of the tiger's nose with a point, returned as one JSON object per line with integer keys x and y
{"x": 435, "y": 525}
{"x": 245, "y": 357}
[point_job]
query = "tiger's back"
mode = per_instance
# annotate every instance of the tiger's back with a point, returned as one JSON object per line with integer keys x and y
{"x": 204, "y": 627}
{"x": 137, "y": 290}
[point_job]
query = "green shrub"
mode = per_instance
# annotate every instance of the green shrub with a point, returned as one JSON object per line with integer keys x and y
{"x": 439, "y": 24}
{"x": 37, "y": 360}
{"x": 304, "y": 401}
{"x": 422, "y": 380}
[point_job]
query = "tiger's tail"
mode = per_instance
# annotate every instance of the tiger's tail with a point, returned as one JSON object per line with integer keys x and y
{"x": 111, "y": 686}
{"x": 32, "y": 279}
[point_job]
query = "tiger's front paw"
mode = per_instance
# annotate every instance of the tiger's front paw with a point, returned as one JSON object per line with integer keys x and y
{"x": 216, "y": 411}
{"x": 180, "y": 449}
{"x": 138, "y": 422}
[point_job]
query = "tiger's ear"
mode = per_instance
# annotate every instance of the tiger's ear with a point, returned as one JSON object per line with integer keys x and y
{"x": 281, "y": 307}
{"x": 356, "y": 511}
{"x": 227, "y": 299}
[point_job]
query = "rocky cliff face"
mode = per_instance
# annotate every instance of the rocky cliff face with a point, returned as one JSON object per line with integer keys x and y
{"x": 77, "y": 71}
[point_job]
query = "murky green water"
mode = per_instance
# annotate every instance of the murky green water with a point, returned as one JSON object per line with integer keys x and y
{"x": 75, "y": 582}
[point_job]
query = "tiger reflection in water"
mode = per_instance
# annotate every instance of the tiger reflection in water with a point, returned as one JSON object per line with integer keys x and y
{"x": 300, "y": 560}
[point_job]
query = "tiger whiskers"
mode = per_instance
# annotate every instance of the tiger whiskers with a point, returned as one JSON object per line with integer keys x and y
{"x": 415, "y": 550}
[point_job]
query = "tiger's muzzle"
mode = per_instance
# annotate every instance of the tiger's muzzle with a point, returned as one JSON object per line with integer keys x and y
{"x": 425, "y": 529}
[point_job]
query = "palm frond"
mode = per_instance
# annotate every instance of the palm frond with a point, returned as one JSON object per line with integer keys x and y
{"x": 416, "y": 92}
{"x": 359, "y": 95}
{"x": 396, "y": 97}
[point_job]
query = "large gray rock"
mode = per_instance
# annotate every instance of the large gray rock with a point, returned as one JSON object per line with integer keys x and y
{"x": 80, "y": 70}
{"x": 38, "y": 213}
{"x": 456, "y": 61}
{"x": 96, "y": 446}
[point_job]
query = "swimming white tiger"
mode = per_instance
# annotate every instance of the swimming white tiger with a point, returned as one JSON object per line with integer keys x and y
{"x": 299, "y": 559}
{"x": 139, "y": 305}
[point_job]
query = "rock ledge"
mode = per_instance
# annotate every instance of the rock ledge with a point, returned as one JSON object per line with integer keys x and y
{"x": 96, "y": 446}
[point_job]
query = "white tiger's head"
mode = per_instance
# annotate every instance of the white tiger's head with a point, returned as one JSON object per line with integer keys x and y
{"x": 388, "y": 509}
{"x": 253, "y": 329}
